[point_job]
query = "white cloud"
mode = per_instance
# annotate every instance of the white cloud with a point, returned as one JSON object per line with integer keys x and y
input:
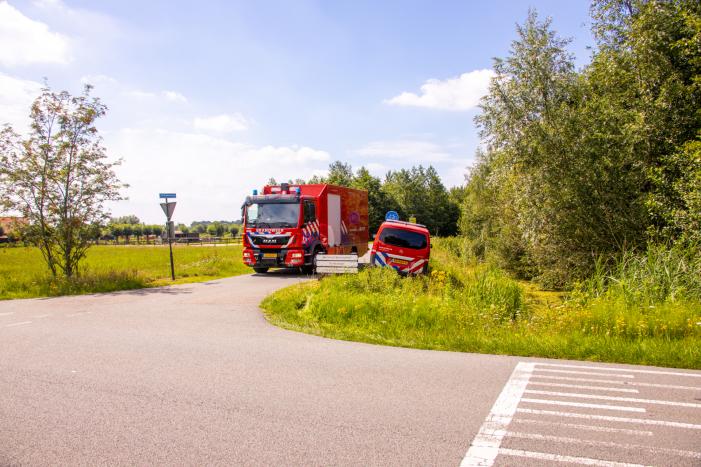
{"x": 407, "y": 150}
{"x": 222, "y": 123}
{"x": 460, "y": 93}
{"x": 26, "y": 41}
{"x": 16, "y": 97}
{"x": 174, "y": 96}
{"x": 211, "y": 175}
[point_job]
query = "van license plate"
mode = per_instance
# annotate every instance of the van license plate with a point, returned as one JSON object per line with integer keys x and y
{"x": 402, "y": 262}
{"x": 270, "y": 255}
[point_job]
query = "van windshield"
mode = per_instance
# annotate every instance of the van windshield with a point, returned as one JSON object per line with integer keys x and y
{"x": 403, "y": 238}
{"x": 272, "y": 215}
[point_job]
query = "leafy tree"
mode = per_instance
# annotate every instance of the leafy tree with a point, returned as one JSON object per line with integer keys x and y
{"x": 233, "y": 230}
{"x": 340, "y": 174}
{"x": 216, "y": 229}
{"x": 127, "y": 232}
{"x": 58, "y": 177}
{"x": 116, "y": 231}
{"x": 419, "y": 192}
{"x": 379, "y": 202}
{"x": 157, "y": 230}
{"x": 137, "y": 230}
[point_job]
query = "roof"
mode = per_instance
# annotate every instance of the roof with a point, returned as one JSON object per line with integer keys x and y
{"x": 407, "y": 226}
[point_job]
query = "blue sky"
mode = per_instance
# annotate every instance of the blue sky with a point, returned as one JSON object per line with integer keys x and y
{"x": 211, "y": 99}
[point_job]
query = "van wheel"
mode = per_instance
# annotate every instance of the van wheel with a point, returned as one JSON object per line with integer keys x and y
{"x": 261, "y": 270}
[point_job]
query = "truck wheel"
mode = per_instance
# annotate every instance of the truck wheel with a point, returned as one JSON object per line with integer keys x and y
{"x": 261, "y": 270}
{"x": 311, "y": 268}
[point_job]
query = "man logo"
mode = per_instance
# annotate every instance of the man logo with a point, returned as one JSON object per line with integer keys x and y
{"x": 269, "y": 240}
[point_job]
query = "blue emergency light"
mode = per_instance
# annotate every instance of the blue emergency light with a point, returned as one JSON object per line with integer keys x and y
{"x": 255, "y": 192}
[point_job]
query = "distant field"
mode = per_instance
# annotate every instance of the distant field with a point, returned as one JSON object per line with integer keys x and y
{"x": 23, "y": 273}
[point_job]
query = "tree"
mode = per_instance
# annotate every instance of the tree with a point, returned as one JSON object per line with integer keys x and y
{"x": 127, "y": 231}
{"x": 233, "y": 230}
{"x": 59, "y": 177}
{"x": 137, "y": 230}
{"x": 147, "y": 231}
{"x": 419, "y": 192}
{"x": 157, "y": 229}
{"x": 116, "y": 231}
{"x": 379, "y": 202}
{"x": 340, "y": 174}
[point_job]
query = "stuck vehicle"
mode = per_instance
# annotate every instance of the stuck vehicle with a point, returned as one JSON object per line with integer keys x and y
{"x": 404, "y": 246}
{"x": 289, "y": 225}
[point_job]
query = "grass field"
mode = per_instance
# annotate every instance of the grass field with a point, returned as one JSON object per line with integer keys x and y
{"x": 477, "y": 308}
{"x": 23, "y": 273}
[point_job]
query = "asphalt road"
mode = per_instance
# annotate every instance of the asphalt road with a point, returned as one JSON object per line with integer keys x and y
{"x": 193, "y": 374}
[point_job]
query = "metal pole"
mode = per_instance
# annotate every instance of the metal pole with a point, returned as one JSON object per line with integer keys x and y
{"x": 170, "y": 247}
{"x": 172, "y": 267}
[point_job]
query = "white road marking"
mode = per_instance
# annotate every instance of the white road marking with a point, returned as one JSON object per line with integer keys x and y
{"x": 585, "y": 405}
{"x": 18, "y": 324}
{"x": 613, "y": 398}
{"x": 608, "y": 444}
{"x": 603, "y": 429}
{"x": 608, "y": 381}
{"x": 485, "y": 447}
{"x": 608, "y": 418}
{"x": 7, "y": 313}
{"x": 577, "y": 386}
{"x": 573, "y": 372}
{"x": 546, "y": 456}
{"x": 605, "y": 368}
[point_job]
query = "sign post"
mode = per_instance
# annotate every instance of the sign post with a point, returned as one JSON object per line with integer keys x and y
{"x": 168, "y": 209}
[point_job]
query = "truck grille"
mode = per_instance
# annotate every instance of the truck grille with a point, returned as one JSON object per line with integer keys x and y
{"x": 264, "y": 240}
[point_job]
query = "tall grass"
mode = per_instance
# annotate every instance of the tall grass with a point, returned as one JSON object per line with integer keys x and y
{"x": 645, "y": 309}
{"x": 651, "y": 294}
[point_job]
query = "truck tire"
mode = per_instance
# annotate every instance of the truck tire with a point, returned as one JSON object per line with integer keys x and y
{"x": 261, "y": 270}
{"x": 311, "y": 268}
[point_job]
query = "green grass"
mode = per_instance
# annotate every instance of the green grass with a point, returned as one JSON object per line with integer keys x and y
{"x": 466, "y": 307}
{"x": 23, "y": 273}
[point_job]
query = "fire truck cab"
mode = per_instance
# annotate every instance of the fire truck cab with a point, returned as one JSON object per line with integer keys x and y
{"x": 404, "y": 246}
{"x": 289, "y": 225}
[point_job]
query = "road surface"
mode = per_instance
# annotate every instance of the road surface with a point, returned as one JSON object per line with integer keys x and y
{"x": 193, "y": 374}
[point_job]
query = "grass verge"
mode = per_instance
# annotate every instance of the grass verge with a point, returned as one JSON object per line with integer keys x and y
{"x": 111, "y": 268}
{"x": 477, "y": 308}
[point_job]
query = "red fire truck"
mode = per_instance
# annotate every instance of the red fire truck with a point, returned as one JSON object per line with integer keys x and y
{"x": 289, "y": 225}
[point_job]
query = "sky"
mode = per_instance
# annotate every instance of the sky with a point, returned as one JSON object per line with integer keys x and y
{"x": 211, "y": 99}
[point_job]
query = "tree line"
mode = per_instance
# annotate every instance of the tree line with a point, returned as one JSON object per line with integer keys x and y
{"x": 417, "y": 192}
{"x": 579, "y": 166}
{"x": 129, "y": 226}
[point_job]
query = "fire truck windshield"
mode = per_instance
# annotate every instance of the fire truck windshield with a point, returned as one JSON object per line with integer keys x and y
{"x": 272, "y": 215}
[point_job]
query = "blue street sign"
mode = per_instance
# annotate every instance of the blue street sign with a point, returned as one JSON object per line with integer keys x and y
{"x": 166, "y": 195}
{"x": 391, "y": 216}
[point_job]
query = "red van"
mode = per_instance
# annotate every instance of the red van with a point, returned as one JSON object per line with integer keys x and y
{"x": 405, "y": 246}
